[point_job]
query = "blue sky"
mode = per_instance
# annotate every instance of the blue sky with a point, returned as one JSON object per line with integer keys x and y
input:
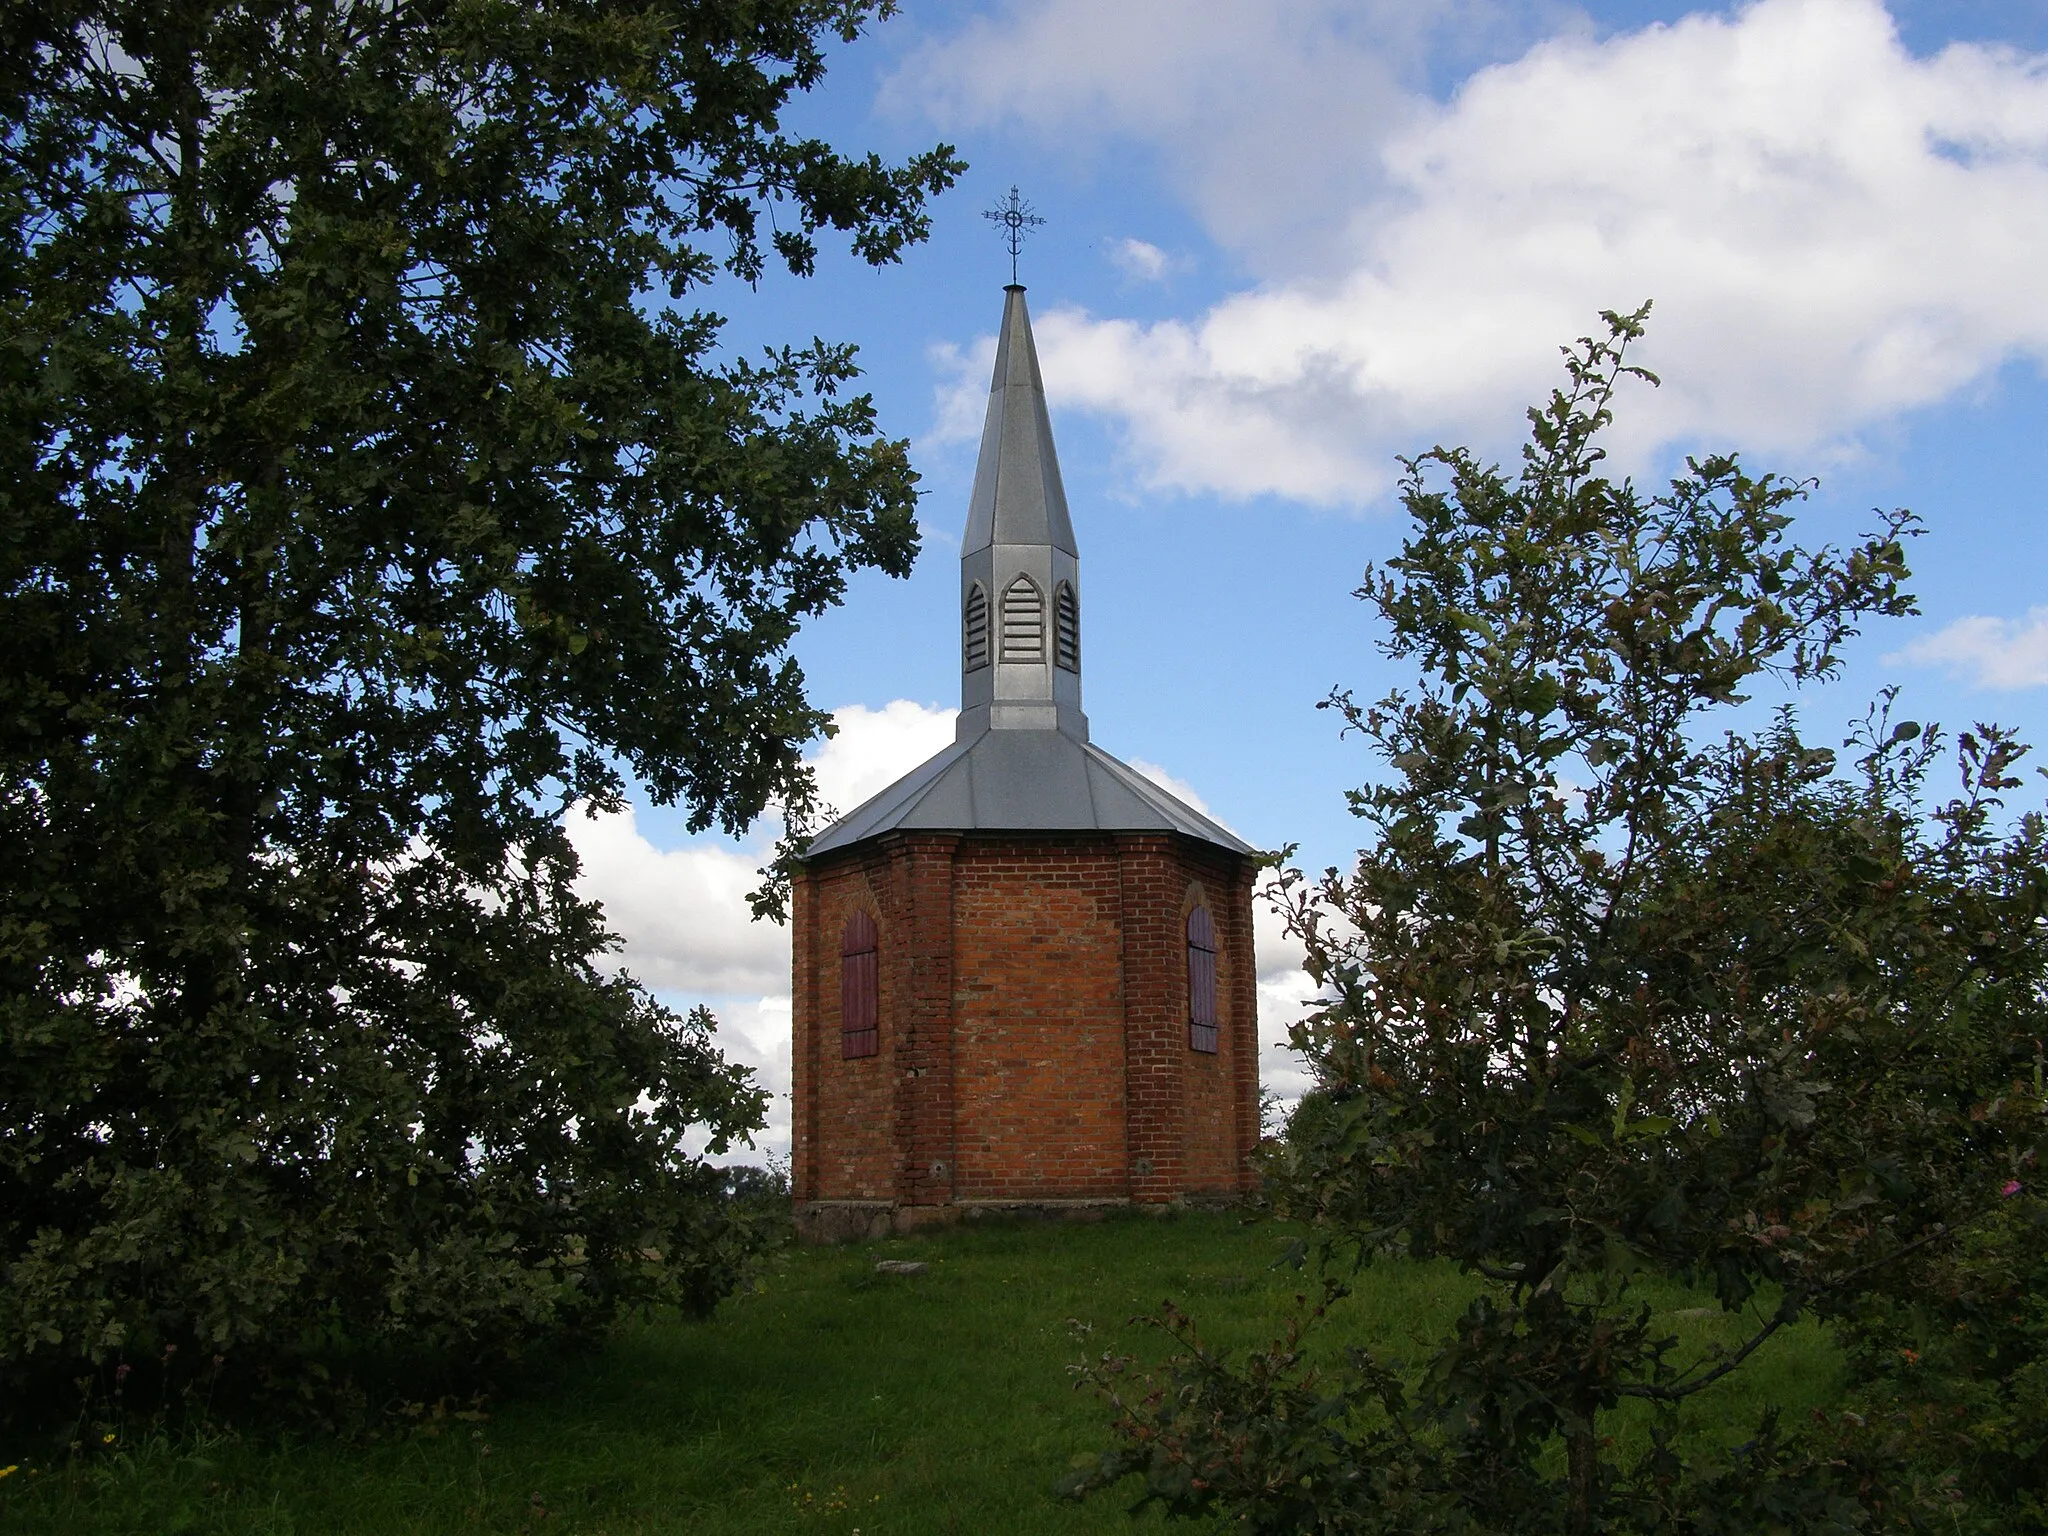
{"x": 1289, "y": 239}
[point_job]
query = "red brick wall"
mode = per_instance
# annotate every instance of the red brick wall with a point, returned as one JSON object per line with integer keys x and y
{"x": 844, "y": 1133}
{"x": 1038, "y": 1020}
{"x": 1217, "y": 1133}
{"x": 1155, "y": 1014}
{"x": 1034, "y": 1040}
{"x": 921, "y": 1012}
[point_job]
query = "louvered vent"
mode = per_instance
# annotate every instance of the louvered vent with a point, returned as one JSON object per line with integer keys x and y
{"x": 974, "y": 629}
{"x": 1066, "y": 628}
{"x": 1201, "y": 981}
{"x": 1023, "y": 621}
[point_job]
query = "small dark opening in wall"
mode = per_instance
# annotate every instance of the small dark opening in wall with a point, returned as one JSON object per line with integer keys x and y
{"x": 974, "y": 641}
{"x": 1066, "y": 628}
{"x": 1023, "y": 621}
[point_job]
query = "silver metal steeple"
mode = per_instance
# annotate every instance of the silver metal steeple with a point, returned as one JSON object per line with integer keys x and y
{"x": 1021, "y": 759}
{"x": 1020, "y": 574}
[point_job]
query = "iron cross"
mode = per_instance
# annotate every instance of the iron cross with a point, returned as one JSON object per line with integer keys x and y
{"x": 1014, "y": 219}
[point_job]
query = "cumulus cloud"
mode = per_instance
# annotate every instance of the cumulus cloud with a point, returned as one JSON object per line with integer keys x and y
{"x": 960, "y": 399}
{"x": 1139, "y": 258}
{"x": 1261, "y": 113}
{"x": 757, "y": 1031}
{"x": 1285, "y": 994}
{"x": 876, "y": 747}
{"x": 682, "y": 912}
{"x": 1989, "y": 652}
{"x": 689, "y": 935}
{"x": 1180, "y": 789}
{"x": 1835, "y": 231}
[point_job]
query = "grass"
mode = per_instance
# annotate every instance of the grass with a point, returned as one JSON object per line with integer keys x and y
{"x": 834, "y": 1399}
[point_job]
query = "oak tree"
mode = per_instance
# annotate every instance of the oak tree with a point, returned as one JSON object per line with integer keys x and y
{"x": 374, "y": 485}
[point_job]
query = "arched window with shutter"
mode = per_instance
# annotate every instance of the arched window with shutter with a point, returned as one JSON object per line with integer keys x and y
{"x": 1066, "y": 628}
{"x": 974, "y": 629}
{"x": 1201, "y": 981}
{"x": 860, "y": 1032}
{"x": 1023, "y": 621}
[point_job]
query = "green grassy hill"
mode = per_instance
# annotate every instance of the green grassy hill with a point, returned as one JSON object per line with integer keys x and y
{"x": 833, "y": 1399}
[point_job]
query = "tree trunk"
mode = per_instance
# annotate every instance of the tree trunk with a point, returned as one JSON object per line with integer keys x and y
{"x": 1582, "y": 1469}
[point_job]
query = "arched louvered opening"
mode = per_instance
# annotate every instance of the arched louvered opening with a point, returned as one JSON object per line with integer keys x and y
{"x": 1066, "y": 628}
{"x": 1201, "y": 981}
{"x": 1023, "y": 621}
{"x": 974, "y": 629}
{"x": 860, "y": 1030}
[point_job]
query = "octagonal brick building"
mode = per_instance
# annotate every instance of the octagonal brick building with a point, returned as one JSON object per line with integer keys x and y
{"x": 1023, "y": 971}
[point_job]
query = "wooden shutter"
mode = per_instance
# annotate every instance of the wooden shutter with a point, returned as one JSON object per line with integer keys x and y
{"x": 1201, "y": 981}
{"x": 860, "y": 1032}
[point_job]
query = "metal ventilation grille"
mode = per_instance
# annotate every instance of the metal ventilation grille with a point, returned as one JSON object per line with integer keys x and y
{"x": 975, "y": 630}
{"x": 1066, "y": 628}
{"x": 1023, "y": 621}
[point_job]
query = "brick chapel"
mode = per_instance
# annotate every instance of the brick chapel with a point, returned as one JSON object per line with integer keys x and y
{"x": 1023, "y": 971}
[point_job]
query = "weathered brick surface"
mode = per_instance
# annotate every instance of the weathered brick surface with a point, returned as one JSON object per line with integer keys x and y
{"x": 1221, "y": 1090}
{"x": 844, "y": 1110}
{"x": 1038, "y": 1020}
{"x": 1155, "y": 1014}
{"x": 1034, "y": 1040}
{"x": 922, "y": 868}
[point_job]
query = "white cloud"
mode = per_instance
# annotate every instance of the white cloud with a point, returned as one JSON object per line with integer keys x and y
{"x": 757, "y": 1032}
{"x": 1260, "y": 112}
{"x": 1180, "y": 789}
{"x": 682, "y": 912}
{"x": 1834, "y": 230}
{"x": 876, "y": 747}
{"x": 689, "y": 935}
{"x": 1990, "y": 652}
{"x": 1139, "y": 258}
{"x": 960, "y": 399}
{"x": 1285, "y": 992}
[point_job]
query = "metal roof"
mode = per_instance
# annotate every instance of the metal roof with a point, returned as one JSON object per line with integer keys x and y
{"x": 1024, "y": 781}
{"x": 1022, "y": 761}
{"x": 1018, "y": 497}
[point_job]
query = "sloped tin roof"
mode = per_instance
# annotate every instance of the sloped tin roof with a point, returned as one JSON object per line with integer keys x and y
{"x": 1023, "y": 781}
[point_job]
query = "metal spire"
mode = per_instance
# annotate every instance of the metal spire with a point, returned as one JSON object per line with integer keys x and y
{"x": 1020, "y": 759}
{"x": 1013, "y": 216}
{"x": 1018, "y": 496}
{"x": 1020, "y": 573}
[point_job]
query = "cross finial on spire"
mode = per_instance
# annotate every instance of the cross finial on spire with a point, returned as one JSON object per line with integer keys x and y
{"x": 1013, "y": 216}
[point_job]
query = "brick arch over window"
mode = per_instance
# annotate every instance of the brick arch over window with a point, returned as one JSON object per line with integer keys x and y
{"x": 1201, "y": 981}
{"x": 974, "y": 628}
{"x": 1066, "y": 628}
{"x": 1023, "y": 621}
{"x": 860, "y": 1032}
